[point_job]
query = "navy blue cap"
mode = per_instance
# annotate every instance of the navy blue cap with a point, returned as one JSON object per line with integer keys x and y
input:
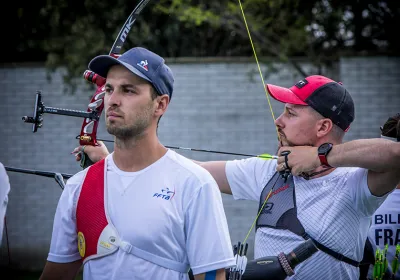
{"x": 142, "y": 63}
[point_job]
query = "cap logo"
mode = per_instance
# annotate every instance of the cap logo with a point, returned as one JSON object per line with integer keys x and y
{"x": 301, "y": 83}
{"x": 143, "y": 64}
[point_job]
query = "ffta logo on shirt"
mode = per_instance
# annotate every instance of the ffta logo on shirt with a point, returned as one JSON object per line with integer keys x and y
{"x": 165, "y": 194}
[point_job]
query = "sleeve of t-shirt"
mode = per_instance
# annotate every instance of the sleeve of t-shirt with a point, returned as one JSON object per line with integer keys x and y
{"x": 64, "y": 244}
{"x": 4, "y": 191}
{"x": 208, "y": 243}
{"x": 247, "y": 177}
{"x": 366, "y": 202}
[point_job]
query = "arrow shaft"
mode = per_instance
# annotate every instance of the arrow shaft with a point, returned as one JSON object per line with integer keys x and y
{"x": 208, "y": 151}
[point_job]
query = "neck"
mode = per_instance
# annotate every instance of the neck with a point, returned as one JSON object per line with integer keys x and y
{"x": 137, "y": 153}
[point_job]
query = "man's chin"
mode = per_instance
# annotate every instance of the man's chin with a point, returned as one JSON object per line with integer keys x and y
{"x": 284, "y": 143}
{"x": 115, "y": 131}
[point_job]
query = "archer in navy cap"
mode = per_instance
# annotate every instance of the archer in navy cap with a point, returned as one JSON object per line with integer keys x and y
{"x": 141, "y": 62}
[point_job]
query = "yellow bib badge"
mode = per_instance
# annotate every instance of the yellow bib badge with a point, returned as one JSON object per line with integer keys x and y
{"x": 81, "y": 244}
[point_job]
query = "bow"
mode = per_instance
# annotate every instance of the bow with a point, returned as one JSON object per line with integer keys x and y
{"x": 91, "y": 117}
{"x": 89, "y": 126}
{"x": 240, "y": 266}
{"x": 258, "y": 65}
{"x": 95, "y": 108}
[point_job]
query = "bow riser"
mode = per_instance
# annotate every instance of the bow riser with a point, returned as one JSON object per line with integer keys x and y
{"x": 88, "y": 135}
{"x": 89, "y": 126}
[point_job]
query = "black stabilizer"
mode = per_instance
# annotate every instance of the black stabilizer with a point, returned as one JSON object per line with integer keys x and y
{"x": 264, "y": 268}
{"x": 270, "y": 268}
{"x": 301, "y": 253}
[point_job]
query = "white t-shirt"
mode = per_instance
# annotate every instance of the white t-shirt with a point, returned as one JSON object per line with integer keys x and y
{"x": 192, "y": 230}
{"x": 385, "y": 228}
{"x": 335, "y": 210}
{"x": 4, "y": 191}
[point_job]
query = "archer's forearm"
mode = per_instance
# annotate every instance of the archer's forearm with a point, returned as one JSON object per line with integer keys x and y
{"x": 378, "y": 155}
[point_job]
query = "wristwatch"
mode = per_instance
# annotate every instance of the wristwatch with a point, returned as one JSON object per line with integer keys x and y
{"x": 323, "y": 152}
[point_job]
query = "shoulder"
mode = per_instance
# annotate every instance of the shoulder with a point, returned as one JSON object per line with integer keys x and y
{"x": 187, "y": 169}
{"x": 4, "y": 182}
{"x": 347, "y": 179}
{"x": 257, "y": 167}
{"x": 3, "y": 173}
{"x": 343, "y": 179}
{"x": 355, "y": 176}
{"x": 347, "y": 174}
{"x": 254, "y": 162}
{"x": 391, "y": 202}
{"x": 73, "y": 187}
{"x": 77, "y": 178}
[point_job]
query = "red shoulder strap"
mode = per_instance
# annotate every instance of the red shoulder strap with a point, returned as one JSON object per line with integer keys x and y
{"x": 90, "y": 212}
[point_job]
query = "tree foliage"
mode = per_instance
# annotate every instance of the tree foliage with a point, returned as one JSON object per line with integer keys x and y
{"x": 70, "y": 33}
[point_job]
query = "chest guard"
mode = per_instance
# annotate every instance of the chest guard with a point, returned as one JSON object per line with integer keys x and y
{"x": 97, "y": 236}
{"x": 280, "y": 212}
{"x": 91, "y": 218}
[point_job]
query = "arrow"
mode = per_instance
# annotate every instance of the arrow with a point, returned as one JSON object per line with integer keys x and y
{"x": 263, "y": 156}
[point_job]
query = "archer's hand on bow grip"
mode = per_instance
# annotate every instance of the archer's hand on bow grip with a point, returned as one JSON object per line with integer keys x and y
{"x": 88, "y": 155}
{"x": 85, "y": 161}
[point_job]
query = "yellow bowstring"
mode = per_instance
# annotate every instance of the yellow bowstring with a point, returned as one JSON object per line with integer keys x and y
{"x": 255, "y": 220}
{"x": 270, "y": 107}
{"x": 258, "y": 65}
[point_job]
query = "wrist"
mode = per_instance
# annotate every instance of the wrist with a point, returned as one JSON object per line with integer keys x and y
{"x": 323, "y": 151}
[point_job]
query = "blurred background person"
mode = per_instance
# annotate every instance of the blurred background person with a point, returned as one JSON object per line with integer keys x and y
{"x": 385, "y": 227}
{"x": 4, "y": 190}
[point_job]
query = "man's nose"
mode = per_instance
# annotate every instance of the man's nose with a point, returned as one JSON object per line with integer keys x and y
{"x": 113, "y": 99}
{"x": 278, "y": 121}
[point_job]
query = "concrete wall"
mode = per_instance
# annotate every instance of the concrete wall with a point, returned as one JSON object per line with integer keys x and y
{"x": 217, "y": 106}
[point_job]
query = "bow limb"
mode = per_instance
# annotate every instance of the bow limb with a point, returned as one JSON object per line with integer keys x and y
{"x": 285, "y": 175}
{"x": 270, "y": 107}
{"x": 88, "y": 134}
{"x": 258, "y": 65}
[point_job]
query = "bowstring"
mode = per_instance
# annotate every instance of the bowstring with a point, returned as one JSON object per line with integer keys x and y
{"x": 270, "y": 107}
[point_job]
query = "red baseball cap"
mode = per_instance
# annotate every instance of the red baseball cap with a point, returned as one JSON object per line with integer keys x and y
{"x": 327, "y": 97}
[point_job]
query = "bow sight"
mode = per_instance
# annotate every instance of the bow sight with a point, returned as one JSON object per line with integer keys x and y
{"x": 92, "y": 114}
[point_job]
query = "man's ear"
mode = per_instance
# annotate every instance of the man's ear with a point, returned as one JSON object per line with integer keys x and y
{"x": 324, "y": 126}
{"x": 162, "y": 104}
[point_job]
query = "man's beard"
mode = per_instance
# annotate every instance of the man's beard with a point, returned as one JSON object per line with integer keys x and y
{"x": 283, "y": 141}
{"x": 132, "y": 131}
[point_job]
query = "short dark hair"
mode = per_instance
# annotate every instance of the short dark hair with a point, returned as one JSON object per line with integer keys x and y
{"x": 391, "y": 128}
{"x": 153, "y": 92}
{"x": 154, "y": 95}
